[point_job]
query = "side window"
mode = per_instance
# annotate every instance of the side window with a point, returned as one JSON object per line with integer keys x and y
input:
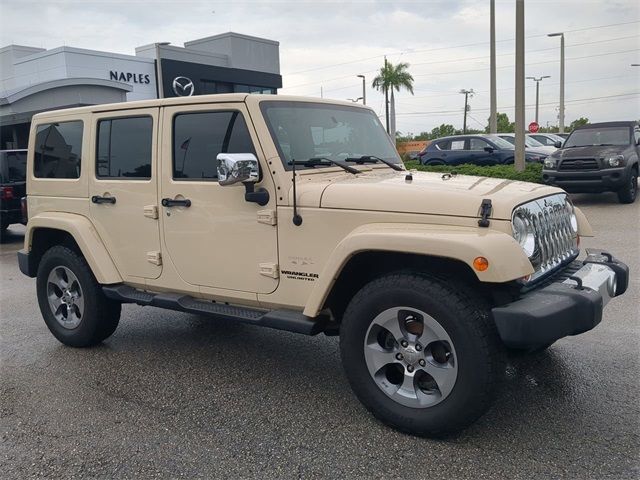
{"x": 124, "y": 148}
{"x": 477, "y": 144}
{"x": 199, "y": 137}
{"x": 444, "y": 145}
{"x": 457, "y": 144}
{"x": 58, "y": 150}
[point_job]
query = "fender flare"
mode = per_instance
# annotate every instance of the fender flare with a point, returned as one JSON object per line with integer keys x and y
{"x": 85, "y": 235}
{"x": 506, "y": 259}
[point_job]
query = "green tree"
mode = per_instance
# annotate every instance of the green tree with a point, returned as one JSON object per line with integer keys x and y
{"x": 504, "y": 125}
{"x": 578, "y": 122}
{"x": 444, "y": 130}
{"x": 393, "y": 77}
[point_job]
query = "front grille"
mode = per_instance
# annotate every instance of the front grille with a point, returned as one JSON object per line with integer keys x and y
{"x": 580, "y": 164}
{"x": 553, "y": 223}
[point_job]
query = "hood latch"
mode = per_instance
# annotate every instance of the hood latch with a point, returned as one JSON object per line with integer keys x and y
{"x": 485, "y": 212}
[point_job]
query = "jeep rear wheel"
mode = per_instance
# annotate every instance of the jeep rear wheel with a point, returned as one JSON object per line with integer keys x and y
{"x": 71, "y": 301}
{"x": 628, "y": 193}
{"x": 420, "y": 354}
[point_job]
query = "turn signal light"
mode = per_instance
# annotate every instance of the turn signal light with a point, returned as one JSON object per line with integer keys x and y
{"x": 6, "y": 193}
{"x": 480, "y": 264}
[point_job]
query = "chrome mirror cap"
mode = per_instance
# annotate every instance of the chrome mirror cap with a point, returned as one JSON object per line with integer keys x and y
{"x": 237, "y": 168}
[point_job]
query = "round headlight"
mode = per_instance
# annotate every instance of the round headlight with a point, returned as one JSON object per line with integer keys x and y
{"x": 573, "y": 220}
{"x": 549, "y": 162}
{"x": 523, "y": 234}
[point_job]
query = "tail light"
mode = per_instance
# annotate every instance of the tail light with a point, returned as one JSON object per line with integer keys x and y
{"x": 25, "y": 212}
{"x": 6, "y": 193}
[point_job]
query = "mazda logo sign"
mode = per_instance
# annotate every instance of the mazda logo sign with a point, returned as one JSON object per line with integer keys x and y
{"x": 182, "y": 86}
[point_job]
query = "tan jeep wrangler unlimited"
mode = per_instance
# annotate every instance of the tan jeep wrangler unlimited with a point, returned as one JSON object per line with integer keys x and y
{"x": 298, "y": 214}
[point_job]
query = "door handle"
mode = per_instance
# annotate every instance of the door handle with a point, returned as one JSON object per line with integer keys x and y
{"x": 98, "y": 199}
{"x": 170, "y": 202}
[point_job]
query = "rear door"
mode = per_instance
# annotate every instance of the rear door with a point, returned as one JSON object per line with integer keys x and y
{"x": 123, "y": 190}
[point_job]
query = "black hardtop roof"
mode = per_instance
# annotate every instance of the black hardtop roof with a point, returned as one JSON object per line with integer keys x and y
{"x": 622, "y": 123}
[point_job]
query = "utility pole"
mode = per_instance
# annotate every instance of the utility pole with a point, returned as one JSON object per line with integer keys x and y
{"x": 386, "y": 97}
{"x": 364, "y": 89}
{"x": 537, "y": 80}
{"x": 493, "y": 116}
{"x": 467, "y": 94}
{"x": 519, "y": 160}
{"x": 561, "y": 113}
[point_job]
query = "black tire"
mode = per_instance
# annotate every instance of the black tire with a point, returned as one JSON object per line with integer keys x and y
{"x": 629, "y": 192}
{"x": 100, "y": 316}
{"x": 465, "y": 318}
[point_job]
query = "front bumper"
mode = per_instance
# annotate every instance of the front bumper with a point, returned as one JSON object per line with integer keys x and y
{"x": 606, "y": 179}
{"x": 570, "y": 307}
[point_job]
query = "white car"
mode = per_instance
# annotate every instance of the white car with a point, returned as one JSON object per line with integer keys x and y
{"x": 530, "y": 144}
{"x": 549, "y": 139}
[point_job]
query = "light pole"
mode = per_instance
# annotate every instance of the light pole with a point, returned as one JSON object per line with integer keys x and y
{"x": 493, "y": 115}
{"x": 364, "y": 89}
{"x": 467, "y": 94}
{"x": 519, "y": 80}
{"x": 537, "y": 80}
{"x": 561, "y": 115}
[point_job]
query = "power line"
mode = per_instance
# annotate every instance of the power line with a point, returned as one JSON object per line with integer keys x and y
{"x": 410, "y": 51}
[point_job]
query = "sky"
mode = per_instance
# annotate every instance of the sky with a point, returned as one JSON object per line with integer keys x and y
{"x": 324, "y": 45}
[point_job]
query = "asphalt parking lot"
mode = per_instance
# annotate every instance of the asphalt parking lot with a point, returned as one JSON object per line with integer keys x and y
{"x": 176, "y": 395}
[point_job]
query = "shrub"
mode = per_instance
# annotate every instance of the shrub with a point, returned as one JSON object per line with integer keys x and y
{"x": 532, "y": 173}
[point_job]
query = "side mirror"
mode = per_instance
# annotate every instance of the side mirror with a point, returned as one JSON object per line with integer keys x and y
{"x": 488, "y": 149}
{"x": 558, "y": 144}
{"x": 237, "y": 168}
{"x": 241, "y": 168}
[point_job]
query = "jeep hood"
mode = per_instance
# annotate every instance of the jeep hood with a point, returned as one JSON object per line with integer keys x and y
{"x": 427, "y": 193}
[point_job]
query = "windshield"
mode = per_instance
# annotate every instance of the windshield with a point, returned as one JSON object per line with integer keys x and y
{"x": 13, "y": 167}
{"x": 303, "y": 130}
{"x": 599, "y": 136}
{"x": 501, "y": 142}
{"x": 532, "y": 142}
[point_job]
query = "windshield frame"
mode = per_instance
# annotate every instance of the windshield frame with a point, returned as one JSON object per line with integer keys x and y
{"x": 266, "y": 104}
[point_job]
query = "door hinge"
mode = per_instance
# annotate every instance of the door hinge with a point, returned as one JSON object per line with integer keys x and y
{"x": 269, "y": 270}
{"x": 154, "y": 257}
{"x": 151, "y": 211}
{"x": 267, "y": 217}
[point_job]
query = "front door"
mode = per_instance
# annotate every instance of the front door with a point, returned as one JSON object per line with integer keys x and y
{"x": 123, "y": 190}
{"x": 214, "y": 237}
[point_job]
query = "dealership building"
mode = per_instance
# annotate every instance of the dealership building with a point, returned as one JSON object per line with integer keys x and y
{"x": 34, "y": 80}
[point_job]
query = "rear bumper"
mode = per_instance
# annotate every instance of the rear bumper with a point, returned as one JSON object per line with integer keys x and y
{"x": 10, "y": 216}
{"x": 610, "y": 179}
{"x": 574, "y": 306}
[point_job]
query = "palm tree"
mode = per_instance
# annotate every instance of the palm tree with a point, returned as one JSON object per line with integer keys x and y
{"x": 393, "y": 77}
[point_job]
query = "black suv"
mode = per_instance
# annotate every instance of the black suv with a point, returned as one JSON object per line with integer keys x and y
{"x": 601, "y": 157}
{"x": 13, "y": 167}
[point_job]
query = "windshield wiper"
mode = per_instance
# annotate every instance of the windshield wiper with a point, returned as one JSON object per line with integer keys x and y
{"x": 324, "y": 161}
{"x": 373, "y": 159}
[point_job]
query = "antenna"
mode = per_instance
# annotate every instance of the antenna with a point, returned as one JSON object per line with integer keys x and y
{"x": 297, "y": 219}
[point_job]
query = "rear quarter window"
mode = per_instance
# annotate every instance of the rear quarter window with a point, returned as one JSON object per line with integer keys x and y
{"x": 13, "y": 167}
{"x": 58, "y": 150}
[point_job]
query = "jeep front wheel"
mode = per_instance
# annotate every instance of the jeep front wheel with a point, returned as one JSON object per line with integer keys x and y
{"x": 71, "y": 301}
{"x": 420, "y": 354}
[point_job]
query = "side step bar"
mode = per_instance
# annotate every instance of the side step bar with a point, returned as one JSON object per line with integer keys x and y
{"x": 279, "y": 319}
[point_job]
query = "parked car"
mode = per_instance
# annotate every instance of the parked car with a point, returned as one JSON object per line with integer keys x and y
{"x": 600, "y": 157}
{"x": 562, "y": 135}
{"x": 475, "y": 149}
{"x": 549, "y": 139}
{"x": 530, "y": 144}
{"x": 13, "y": 165}
{"x": 222, "y": 206}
